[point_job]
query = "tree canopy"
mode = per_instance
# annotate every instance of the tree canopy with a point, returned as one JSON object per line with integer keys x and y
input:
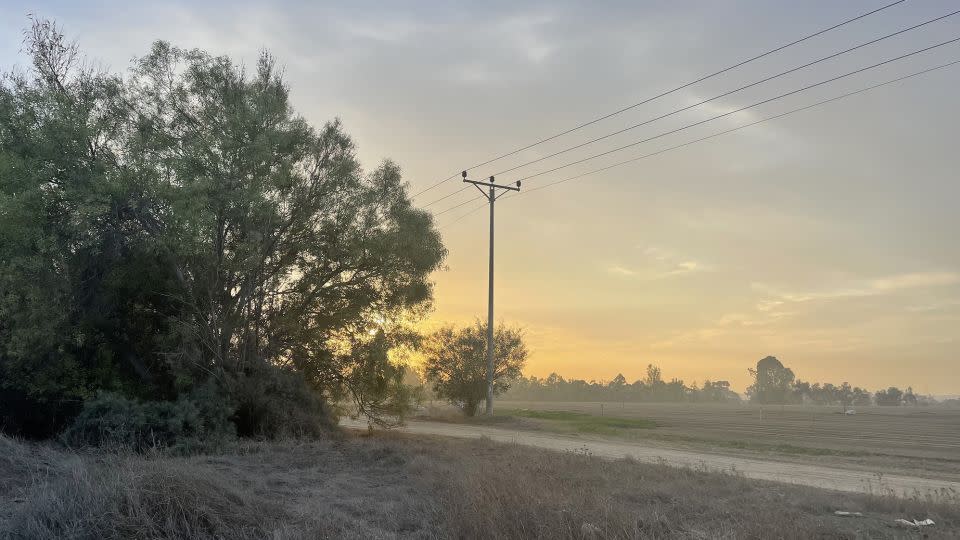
{"x": 771, "y": 381}
{"x": 456, "y": 362}
{"x": 181, "y": 223}
{"x": 651, "y": 388}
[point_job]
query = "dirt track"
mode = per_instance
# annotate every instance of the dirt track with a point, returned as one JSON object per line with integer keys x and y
{"x": 794, "y": 473}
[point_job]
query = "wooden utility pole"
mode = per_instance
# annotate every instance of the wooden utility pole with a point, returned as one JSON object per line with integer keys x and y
{"x": 491, "y": 196}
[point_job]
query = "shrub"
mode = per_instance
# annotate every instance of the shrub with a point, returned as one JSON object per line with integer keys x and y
{"x": 272, "y": 402}
{"x": 266, "y": 402}
{"x": 34, "y": 417}
{"x": 113, "y": 421}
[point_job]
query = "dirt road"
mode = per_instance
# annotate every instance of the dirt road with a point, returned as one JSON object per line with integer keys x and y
{"x": 794, "y": 473}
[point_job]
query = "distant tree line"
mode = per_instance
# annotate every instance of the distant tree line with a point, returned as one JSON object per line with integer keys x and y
{"x": 776, "y": 383}
{"x": 773, "y": 383}
{"x": 651, "y": 388}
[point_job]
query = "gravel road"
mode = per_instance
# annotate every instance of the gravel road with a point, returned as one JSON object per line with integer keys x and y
{"x": 793, "y": 473}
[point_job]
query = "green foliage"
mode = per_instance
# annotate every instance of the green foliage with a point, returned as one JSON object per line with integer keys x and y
{"x": 112, "y": 421}
{"x": 456, "y": 362}
{"x": 182, "y": 225}
{"x": 892, "y": 396}
{"x": 772, "y": 381}
{"x": 829, "y": 394}
{"x": 651, "y": 388}
{"x": 274, "y": 403}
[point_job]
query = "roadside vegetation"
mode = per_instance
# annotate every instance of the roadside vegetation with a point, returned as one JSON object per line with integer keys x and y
{"x": 182, "y": 256}
{"x": 455, "y": 363}
{"x": 386, "y": 485}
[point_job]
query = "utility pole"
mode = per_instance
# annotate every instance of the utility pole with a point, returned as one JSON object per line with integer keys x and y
{"x": 491, "y": 196}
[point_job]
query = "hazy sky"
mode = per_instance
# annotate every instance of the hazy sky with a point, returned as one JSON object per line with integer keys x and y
{"x": 827, "y": 238}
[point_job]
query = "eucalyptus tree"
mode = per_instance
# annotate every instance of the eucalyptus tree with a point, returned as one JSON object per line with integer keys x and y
{"x": 181, "y": 223}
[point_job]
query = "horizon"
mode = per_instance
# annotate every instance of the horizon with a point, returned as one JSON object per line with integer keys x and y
{"x": 825, "y": 239}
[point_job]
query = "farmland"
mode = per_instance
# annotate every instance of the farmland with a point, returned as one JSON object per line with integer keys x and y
{"x": 916, "y": 432}
{"x": 918, "y": 442}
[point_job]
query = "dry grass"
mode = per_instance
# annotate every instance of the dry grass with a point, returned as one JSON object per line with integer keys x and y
{"x": 291, "y": 490}
{"x": 907, "y": 441}
{"x": 390, "y": 486}
{"x": 511, "y": 491}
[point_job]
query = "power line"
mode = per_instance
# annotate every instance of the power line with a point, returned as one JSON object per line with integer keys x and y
{"x": 725, "y": 132}
{"x": 454, "y": 207}
{"x": 781, "y": 96}
{"x": 666, "y": 93}
{"x": 725, "y": 94}
{"x": 460, "y": 217}
{"x": 431, "y": 203}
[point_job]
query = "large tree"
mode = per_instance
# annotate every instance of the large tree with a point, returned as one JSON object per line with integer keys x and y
{"x": 771, "y": 381}
{"x": 183, "y": 223}
{"x": 456, "y": 362}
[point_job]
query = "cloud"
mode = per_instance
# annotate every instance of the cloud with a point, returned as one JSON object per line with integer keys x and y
{"x": 874, "y": 287}
{"x": 666, "y": 263}
{"x": 771, "y": 143}
{"x": 386, "y": 30}
{"x": 700, "y": 334}
{"x": 525, "y": 33}
{"x": 620, "y": 270}
{"x": 716, "y": 108}
{"x": 934, "y": 306}
{"x": 777, "y": 305}
{"x": 473, "y": 73}
{"x": 914, "y": 280}
{"x": 652, "y": 272}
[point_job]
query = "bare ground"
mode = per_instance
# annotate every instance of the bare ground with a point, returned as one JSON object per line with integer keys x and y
{"x": 388, "y": 485}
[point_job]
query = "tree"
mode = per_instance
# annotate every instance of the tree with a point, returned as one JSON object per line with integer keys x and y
{"x": 185, "y": 224}
{"x": 845, "y": 395}
{"x": 892, "y": 396}
{"x": 456, "y": 362}
{"x": 653, "y": 378}
{"x": 718, "y": 391}
{"x": 618, "y": 383}
{"x": 771, "y": 381}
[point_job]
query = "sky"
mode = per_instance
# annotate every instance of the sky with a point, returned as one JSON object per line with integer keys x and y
{"x": 827, "y": 238}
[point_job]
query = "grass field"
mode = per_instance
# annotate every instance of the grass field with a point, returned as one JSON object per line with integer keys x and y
{"x": 927, "y": 432}
{"x": 582, "y": 422}
{"x": 922, "y": 442}
{"x": 387, "y": 485}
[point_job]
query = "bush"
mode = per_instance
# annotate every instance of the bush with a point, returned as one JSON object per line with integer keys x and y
{"x": 189, "y": 424}
{"x": 266, "y": 402}
{"x": 137, "y": 498}
{"x": 34, "y": 417}
{"x": 272, "y": 402}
